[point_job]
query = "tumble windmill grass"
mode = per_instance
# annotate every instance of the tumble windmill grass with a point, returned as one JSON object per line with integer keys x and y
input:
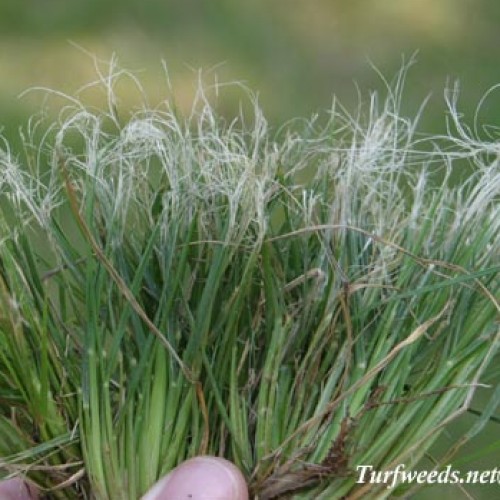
{"x": 299, "y": 304}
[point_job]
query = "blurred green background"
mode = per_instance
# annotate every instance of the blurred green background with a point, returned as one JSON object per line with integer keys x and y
{"x": 296, "y": 54}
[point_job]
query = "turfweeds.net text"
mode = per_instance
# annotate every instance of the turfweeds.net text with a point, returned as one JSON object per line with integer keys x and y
{"x": 448, "y": 475}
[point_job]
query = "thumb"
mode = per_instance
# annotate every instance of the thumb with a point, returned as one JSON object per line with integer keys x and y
{"x": 201, "y": 478}
{"x": 17, "y": 489}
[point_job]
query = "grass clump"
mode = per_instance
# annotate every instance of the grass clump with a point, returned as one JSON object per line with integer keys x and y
{"x": 299, "y": 303}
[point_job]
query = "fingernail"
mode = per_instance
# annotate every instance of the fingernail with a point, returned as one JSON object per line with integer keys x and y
{"x": 201, "y": 478}
{"x": 17, "y": 489}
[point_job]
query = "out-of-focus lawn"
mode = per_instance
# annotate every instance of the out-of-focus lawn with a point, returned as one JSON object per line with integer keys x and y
{"x": 295, "y": 53}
